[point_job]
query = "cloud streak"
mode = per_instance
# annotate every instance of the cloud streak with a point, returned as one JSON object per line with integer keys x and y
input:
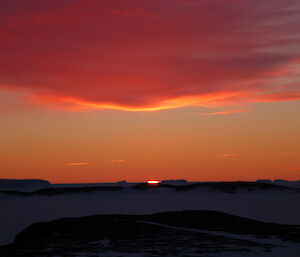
{"x": 76, "y": 164}
{"x": 291, "y": 168}
{"x": 223, "y": 112}
{"x": 146, "y": 56}
{"x": 118, "y": 161}
{"x": 228, "y": 155}
{"x": 288, "y": 153}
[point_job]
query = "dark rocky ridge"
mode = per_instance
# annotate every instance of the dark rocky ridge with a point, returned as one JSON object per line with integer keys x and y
{"x": 63, "y": 190}
{"x": 219, "y": 221}
{"x": 226, "y": 187}
{"x": 24, "y": 184}
{"x": 127, "y": 233}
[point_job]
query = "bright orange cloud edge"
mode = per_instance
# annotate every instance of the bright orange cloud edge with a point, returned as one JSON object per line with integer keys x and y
{"x": 211, "y": 100}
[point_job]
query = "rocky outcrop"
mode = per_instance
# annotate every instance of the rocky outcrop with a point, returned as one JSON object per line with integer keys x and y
{"x": 227, "y": 187}
{"x": 162, "y": 234}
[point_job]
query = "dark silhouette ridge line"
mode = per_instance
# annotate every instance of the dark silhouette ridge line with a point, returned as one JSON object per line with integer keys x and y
{"x": 67, "y": 235}
{"x": 226, "y": 187}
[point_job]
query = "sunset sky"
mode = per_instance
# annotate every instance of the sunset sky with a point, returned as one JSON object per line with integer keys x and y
{"x": 102, "y": 91}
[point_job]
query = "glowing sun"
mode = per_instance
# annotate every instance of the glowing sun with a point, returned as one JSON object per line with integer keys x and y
{"x": 153, "y": 182}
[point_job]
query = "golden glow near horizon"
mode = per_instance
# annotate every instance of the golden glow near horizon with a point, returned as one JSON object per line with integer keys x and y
{"x": 261, "y": 143}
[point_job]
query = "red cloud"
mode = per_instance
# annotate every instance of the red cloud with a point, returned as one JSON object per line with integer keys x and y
{"x": 150, "y": 55}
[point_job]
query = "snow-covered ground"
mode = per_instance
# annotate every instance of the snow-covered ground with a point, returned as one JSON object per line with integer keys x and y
{"x": 19, "y": 212}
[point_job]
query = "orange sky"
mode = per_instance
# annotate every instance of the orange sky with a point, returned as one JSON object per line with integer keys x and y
{"x": 103, "y": 146}
{"x": 98, "y": 91}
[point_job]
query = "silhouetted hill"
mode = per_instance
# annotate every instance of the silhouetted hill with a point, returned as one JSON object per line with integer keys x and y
{"x": 63, "y": 190}
{"x": 23, "y": 184}
{"x": 146, "y": 186}
{"x": 73, "y": 190}
{"x": 119, "y": 234}
{"x": 219, "y": 221}
{"x": 227, "y": 187}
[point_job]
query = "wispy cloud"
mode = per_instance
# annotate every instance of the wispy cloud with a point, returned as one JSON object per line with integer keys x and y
{"x": 118, "y": 161}
{"x": 228, "y": 155}
{"x": 291, "y": 168}
{"x": 76, "y": 164}
{"x": 288, "y": 153}
{"x": 223, "y": 112}
{"x": 264, "y": 154}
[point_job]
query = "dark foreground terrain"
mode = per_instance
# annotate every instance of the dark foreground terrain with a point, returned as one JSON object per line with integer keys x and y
{"x": 186, "y": 233}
